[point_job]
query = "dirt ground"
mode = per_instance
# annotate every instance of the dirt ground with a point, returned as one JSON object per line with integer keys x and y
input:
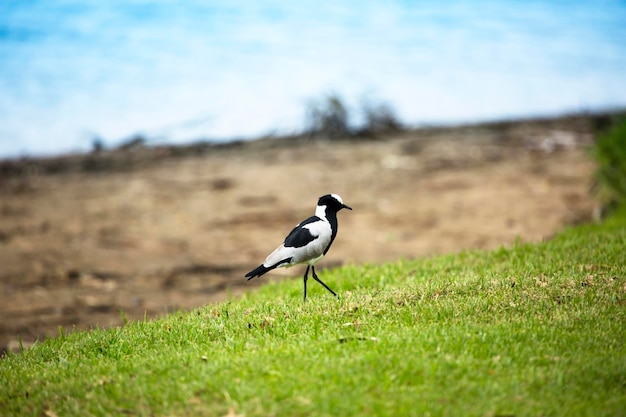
{"x": 76, "y": 248}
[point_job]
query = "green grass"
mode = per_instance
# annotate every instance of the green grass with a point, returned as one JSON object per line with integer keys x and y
{"x": 532, "y": 330}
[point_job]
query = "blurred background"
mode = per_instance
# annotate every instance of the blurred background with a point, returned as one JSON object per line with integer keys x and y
{"x": 131, "y": 186}
{"x": 72, "y": 72}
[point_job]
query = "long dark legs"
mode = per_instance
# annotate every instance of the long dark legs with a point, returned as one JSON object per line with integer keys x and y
{"x": 306, "y": 277}
{"x": 316, "y": 278}
{"x": 320, "y": 281}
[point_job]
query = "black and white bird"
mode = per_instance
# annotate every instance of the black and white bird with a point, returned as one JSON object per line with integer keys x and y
{"x": 308, "y": 242}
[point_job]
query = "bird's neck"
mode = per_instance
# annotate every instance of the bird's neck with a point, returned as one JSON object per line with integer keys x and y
{"x": 329, "y": 215}
{"x": 320, "y": 211}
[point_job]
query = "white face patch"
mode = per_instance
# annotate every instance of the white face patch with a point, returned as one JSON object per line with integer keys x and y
{"x": 336, "y": 197}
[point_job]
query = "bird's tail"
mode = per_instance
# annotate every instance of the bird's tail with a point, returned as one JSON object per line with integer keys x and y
{"x": 262, "y": 269}
{"x": 258, "y": 271}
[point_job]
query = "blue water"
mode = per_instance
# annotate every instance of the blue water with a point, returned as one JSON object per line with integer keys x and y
{"x": 175, "y": 71}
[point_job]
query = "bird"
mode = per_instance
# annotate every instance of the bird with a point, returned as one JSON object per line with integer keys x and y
{"x": 308, "y": 242}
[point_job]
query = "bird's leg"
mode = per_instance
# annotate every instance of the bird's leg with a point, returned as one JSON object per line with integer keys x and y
{"x": 320, "y": 281}
{"x": 306, "y": 273}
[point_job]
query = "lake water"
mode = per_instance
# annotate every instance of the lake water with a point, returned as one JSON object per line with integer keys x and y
{"x": 175, "y": 71}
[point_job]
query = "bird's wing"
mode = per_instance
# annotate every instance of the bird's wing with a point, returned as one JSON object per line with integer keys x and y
{"x": 300, "y": 235}
{"x": 305, "y": 242}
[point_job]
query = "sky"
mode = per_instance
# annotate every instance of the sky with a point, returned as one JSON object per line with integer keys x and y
{"x": 175, "y": 72}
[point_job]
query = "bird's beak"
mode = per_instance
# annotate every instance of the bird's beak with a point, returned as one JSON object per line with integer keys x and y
{"x": 345, "y": 206}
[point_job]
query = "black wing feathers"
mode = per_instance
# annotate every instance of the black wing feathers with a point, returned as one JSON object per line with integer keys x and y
{"x": 301, "y": 236}
{"x": 262, "y": 269}
{"x": 257, "y": 272}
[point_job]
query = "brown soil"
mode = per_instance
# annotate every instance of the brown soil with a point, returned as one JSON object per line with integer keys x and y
{"x": 78, "y": 247}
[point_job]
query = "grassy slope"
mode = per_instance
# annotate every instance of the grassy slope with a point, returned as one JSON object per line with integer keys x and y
{"x": 530, "y": 330}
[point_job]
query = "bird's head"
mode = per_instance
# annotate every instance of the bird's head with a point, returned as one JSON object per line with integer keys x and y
{"x": 332, "y": 202}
